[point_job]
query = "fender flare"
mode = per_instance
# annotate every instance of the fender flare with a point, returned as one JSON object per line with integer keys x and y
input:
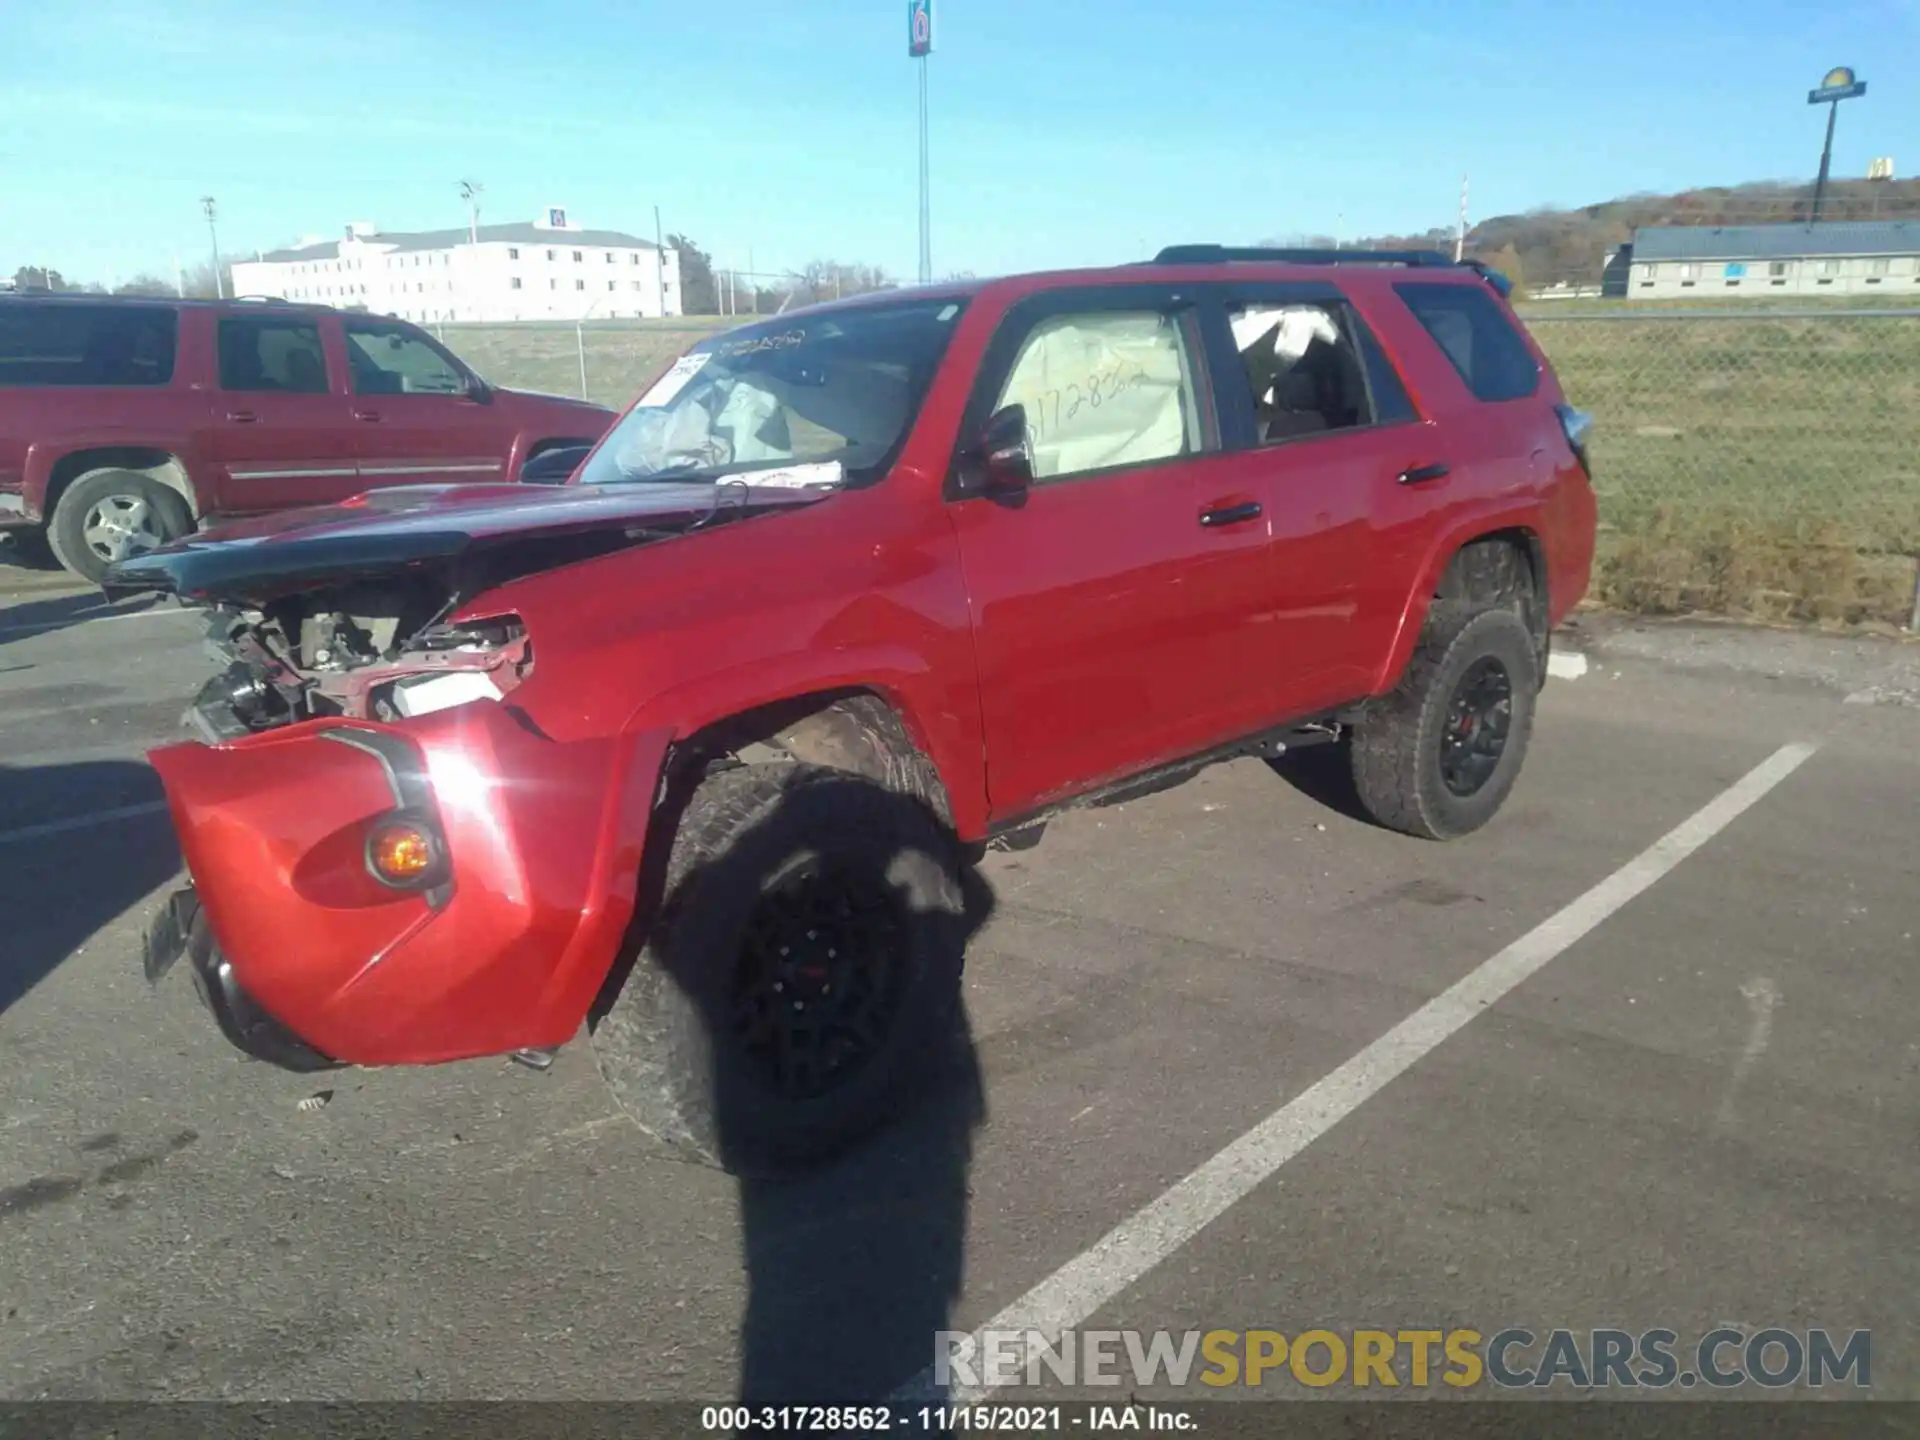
{"x": 1482, "y": 521}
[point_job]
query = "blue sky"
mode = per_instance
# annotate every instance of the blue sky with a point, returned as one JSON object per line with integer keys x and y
{"x": 1063, "y": 132}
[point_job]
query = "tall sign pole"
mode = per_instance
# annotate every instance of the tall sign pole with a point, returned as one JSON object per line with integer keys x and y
{"x": 919, "y": 47}
{"x": 1840, "y": 84}
{"x": 208, "y": 209}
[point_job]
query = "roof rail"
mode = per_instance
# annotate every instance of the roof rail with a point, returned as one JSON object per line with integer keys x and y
{"x": 1418, "y": 259}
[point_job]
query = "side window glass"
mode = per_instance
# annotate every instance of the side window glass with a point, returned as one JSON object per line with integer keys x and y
{"x": 1477, "y": 338}
{"x": 1104, "y": 390}
{"x": 275, "y": 355}
{"x": 387, "y": 360}
{"x": 1301, "y": 369}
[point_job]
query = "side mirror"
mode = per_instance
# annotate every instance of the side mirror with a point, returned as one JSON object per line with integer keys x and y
{"x": 1000, "y": 462}
{"x": 479, "y": 391}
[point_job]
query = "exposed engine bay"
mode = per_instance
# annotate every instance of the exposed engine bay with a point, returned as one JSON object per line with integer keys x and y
{"x": 367, "y": 652}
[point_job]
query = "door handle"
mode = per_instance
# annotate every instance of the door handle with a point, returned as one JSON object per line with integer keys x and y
{"x": 1424, "y": 474}
{"x": 1230, "y": 514}
{"x": 367, "y": 415}
{"x": 242, "y": 417}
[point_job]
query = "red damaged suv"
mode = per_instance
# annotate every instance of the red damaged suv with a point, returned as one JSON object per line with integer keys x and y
{"x": 696, "y": 748}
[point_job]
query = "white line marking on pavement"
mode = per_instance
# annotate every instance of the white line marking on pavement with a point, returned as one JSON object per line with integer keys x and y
{"x": 81, "y": 822}
{"x": 1762, "y": 997}
{"x": 86, "y": 618}
{"x": 1077, "y": 1290}
{"x": 1566, "y": 665}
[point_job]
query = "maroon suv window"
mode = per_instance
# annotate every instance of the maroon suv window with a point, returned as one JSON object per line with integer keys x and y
{"x": 62, "y": 342}
{"x": 1477, "y": 338}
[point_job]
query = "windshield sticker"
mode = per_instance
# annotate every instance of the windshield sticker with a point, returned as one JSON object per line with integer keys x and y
{"x": 823, "y": 476}
{"x": 786, "y": 339}
{"x": 674, "y": 381}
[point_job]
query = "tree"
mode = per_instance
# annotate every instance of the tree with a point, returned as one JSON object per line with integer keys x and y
{"x": 39, "y": 277}
{"x": 699, "y": 290}
{"x": 200, "y": 284}
{"x": 144, "y": 285}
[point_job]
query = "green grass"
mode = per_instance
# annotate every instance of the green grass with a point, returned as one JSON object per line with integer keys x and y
{"x": 1767, "y": 466}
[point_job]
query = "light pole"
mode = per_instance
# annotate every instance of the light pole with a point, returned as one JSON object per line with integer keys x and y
{"x": 207, "y": 207}
{"x": 1839, "y": 84}
{"x": 919, "y": 47}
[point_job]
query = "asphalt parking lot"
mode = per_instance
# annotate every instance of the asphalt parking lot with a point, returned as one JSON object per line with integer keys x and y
{"x": 1693, "y": 1103}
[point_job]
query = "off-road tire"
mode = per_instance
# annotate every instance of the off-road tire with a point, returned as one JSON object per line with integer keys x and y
{"x": 664, "y": 1043}
{"x": 1396, "y": 749}
{"x": 66, "y": 530}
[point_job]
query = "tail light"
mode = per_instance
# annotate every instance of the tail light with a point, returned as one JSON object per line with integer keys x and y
{"x": 1577, "y": 424}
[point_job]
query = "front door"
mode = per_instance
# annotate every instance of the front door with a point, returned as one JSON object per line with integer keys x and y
{"x": 415, "y": 413}
{"x": 1118, "y": 604}
{"x": 279, "y": 431}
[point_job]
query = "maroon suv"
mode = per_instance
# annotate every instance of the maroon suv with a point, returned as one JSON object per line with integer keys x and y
{"x": 125, "y": 423}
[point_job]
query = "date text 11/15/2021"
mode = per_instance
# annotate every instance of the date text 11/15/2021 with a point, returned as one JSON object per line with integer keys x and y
{"x": 942, "y": 1419}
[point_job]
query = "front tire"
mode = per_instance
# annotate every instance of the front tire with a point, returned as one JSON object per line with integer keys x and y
{"x": 110, "y": 515}
{"x": 802, "y": 976}
{"x": 1438, "y": 757}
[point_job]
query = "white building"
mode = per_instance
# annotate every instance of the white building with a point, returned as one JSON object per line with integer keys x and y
{"x": 549, "y": 269}
{"x": 1740, "y": 262}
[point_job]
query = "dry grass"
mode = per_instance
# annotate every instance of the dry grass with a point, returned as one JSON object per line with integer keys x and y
{"x": 1767, "y": 467}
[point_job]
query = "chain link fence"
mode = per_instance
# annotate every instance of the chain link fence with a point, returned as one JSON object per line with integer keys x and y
{"x": 1763, "y": 464}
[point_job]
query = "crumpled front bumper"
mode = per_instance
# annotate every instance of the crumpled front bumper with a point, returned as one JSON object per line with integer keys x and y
{"x": 306, "y": 959}
{"x": 181, "y": 930}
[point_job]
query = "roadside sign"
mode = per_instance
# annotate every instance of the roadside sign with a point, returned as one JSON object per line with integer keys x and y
{"x": 1839, "y": 84}
{"x": 919, "y": 28}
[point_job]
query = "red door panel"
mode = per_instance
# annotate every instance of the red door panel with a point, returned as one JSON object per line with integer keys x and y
{"x": 415, "y": 422}
{"x": 279, "y": 432}
{"x": 1114, "y": 629}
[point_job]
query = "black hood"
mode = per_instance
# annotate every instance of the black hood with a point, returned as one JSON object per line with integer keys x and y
{"x": 432, "y": 529}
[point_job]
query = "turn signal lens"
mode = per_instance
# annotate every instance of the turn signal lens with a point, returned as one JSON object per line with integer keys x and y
{"x": 400, "y": 853}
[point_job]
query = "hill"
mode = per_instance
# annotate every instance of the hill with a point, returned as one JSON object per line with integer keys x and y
{"x": 1549, "y": 246}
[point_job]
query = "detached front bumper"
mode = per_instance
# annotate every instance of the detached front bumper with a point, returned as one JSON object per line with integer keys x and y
{"x": 307, "y": 959}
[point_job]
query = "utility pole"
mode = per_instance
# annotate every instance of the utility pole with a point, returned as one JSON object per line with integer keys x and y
{"x": 660, "y": 260}
{"x": 207, "y": 206}
{"x": 1460, "y": 238}
{"x": 471, "y": 191}
{"x": 920, "y": 47}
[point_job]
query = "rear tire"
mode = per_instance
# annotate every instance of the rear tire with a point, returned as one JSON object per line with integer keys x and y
{"x": 1438, "y": 757}
{"x": 110, "y": 515}
{"x": 789, "y": 886}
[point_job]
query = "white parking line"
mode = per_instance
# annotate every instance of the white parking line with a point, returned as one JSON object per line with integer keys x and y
{"x": 1068, "y": 1297}
{"x": 81, "y": 822}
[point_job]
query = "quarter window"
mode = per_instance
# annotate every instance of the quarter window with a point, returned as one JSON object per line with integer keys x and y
{"x": 1477, "y": 338}
{"x": 1104, "y": 390}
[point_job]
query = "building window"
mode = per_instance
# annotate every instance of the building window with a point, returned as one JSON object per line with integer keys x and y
{"x": 613, "y": 285}
{"x": 553, "y": 284}
{"x": 634, "y": 258}
{"x": 636, "y": 284}
{"x": 1879, "y": 267}
{"x": 552, "y": 253}
{"x": 1653, "y": 273}
{"x": 579, "y": 284}
{"x": 513, "y": 252}
{"x": 609, "y": 257}
{"x": 1776, "y": 268}
{"x": 576, "y": 257}
{"x": 1688, "y": 271}
{"x": 514, "y": 283}
{"x": 1826, "y": 267}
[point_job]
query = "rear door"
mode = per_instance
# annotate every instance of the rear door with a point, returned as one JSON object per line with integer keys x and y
{"x": 1322, "y": 417}
{"x": 1117, "y": 602}
{"x": 414, "y": 410}
{"x": 280, "y": 432}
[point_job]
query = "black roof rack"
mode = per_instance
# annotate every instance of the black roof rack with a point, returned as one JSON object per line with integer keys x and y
{"x": 1417, "y": 259}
